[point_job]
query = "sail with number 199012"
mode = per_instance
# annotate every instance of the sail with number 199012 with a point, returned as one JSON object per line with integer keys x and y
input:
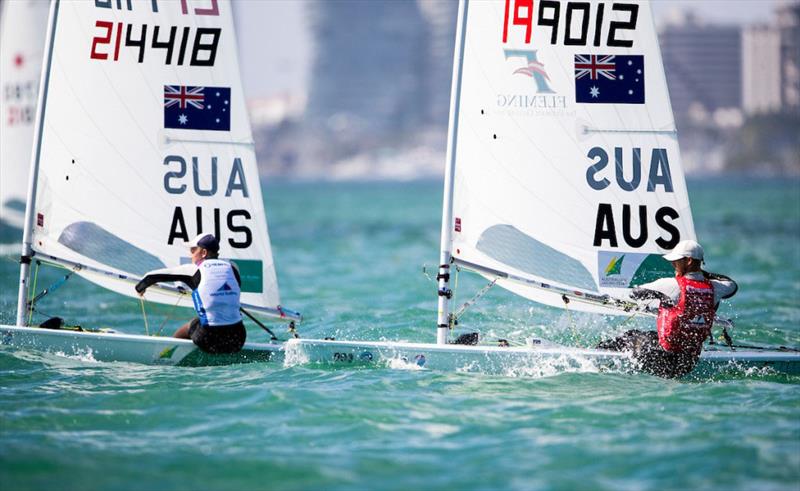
{"x": 567, "y": 175}
{"x": 563, "y": 182}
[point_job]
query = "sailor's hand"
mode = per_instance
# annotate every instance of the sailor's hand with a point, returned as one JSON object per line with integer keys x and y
{"x": 716, "y": 276}
{"x": 645, "y": 294}
{"x": 140, "y": 288}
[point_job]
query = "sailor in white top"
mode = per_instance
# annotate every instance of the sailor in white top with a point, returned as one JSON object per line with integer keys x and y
{"x": 216, "y": 291}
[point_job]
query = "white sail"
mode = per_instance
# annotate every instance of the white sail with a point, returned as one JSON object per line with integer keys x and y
{"x": 567, "y": 170}
{"x": 146, "y": 142}
{"x": 23, "y": 25}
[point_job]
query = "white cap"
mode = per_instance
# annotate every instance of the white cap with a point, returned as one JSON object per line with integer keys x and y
{"x": 685, "y": 248}
{"x": 206, "y": 241}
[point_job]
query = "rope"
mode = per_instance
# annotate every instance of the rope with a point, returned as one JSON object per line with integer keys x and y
{"x": 618, "y": 326}
{"x": 273, "y": 337}
{"x": 11, "y": 259}
{"x": 144, "y": 315}
{"x": 451, "y": 322}
{"x": 32, "y": 291}
{"x": 471, "y": 301}
{"x": 167, "y": 317}
{"x": 569, "y": 317}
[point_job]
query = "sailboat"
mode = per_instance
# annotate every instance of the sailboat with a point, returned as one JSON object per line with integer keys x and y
{"x": 142, "y": 141}
{"x": 560, "y": 186}
{"x": 563, "y": 183}
{"x": 22, "y": 31}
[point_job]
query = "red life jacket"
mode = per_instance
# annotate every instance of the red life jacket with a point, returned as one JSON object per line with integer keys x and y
{"x": 683, "y": 328}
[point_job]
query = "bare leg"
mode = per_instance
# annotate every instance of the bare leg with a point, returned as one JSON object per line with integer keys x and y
{"x": 183, "y": 331}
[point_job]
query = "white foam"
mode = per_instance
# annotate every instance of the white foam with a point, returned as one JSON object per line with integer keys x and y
{"x": 438, "y": 430}
{"x": 294, "y": 354}
{"x": 548, "y": 367}
{"x": 401, "y": 363}
{"x": 81, "y": 355}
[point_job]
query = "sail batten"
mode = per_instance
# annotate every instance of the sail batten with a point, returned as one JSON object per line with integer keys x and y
{"x": 567, "y": 168}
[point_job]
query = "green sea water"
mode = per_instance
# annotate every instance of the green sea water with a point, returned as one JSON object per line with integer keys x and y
{"x": 350, "y": 257}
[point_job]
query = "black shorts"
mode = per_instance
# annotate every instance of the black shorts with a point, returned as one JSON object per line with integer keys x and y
{"x": 650, "y": 357}
{"x": 218, "y": 339}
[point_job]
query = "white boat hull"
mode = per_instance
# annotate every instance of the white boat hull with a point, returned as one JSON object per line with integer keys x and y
{"x": 149, "y": 350}
{"x": 534, "y": 360}
{"x": 531, "y": 360}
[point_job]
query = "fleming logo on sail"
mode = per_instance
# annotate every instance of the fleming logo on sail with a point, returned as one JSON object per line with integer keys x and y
{"x": 197, "y": 108}
{"x": 533, "y": 68}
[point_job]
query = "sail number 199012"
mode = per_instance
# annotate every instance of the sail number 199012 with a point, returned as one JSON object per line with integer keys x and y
{"x": 575, "y": 21}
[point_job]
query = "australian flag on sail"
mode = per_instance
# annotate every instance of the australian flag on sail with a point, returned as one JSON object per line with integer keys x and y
{"x": 609, "y": 79}
{"x": 197, "y": 108}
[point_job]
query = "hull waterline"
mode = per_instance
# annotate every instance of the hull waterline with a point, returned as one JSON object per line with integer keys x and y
{"x": 534, "y": 359}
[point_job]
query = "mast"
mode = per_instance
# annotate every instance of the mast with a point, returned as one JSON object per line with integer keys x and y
{"x": 27, "y": 231}
{"x": 444, "y": 291}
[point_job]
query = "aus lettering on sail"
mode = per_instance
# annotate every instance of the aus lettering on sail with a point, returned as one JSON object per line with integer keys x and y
{"x": 205, "y": 164}
{"x": 213, "y": 182}
{"x": 638, "y": 223}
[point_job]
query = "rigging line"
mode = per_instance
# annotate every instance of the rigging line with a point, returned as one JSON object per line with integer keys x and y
{"x": 475, "y": 298}
{"x": 12, "y": 259}
{"x": 258, "y": 322}
{"x": 31, "y": 291}
{"x": 144, "y": 315}
{"x": 55, "y": 286}
{"x": 453, "y": 320}
{"x": 39, "y": 312}
{"x": 167, "y": 317}
{"x": 424, "y": 271}
{"x": 570, "y": 319}
{"x": 618, "y": 326}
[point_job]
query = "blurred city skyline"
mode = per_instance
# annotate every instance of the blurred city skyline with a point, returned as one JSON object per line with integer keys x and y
{"x": 277, "y": 47}
{"x": 353, "y": 89}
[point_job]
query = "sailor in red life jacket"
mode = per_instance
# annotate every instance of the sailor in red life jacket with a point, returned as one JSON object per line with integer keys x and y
{"x": 216, "y": 288}
{"x": 688, "y": 304}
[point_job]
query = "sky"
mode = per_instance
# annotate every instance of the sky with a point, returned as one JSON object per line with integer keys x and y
{"x": 276, "y": 46}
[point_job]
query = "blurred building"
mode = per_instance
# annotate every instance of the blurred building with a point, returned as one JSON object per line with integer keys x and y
{"x": 271, "y": 111}
{"x": 440, "y": 17}
{"x": 703, "y": 65}
{"x": 380, "y": 75}
{"x": 369, "y": 64}
{"x": 771, "y": 63}
{"x": 788, "y": 22}
{"x": 761, "y": 69}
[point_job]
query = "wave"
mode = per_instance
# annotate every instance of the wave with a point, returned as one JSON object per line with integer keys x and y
{"x": 9, "y": 249}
